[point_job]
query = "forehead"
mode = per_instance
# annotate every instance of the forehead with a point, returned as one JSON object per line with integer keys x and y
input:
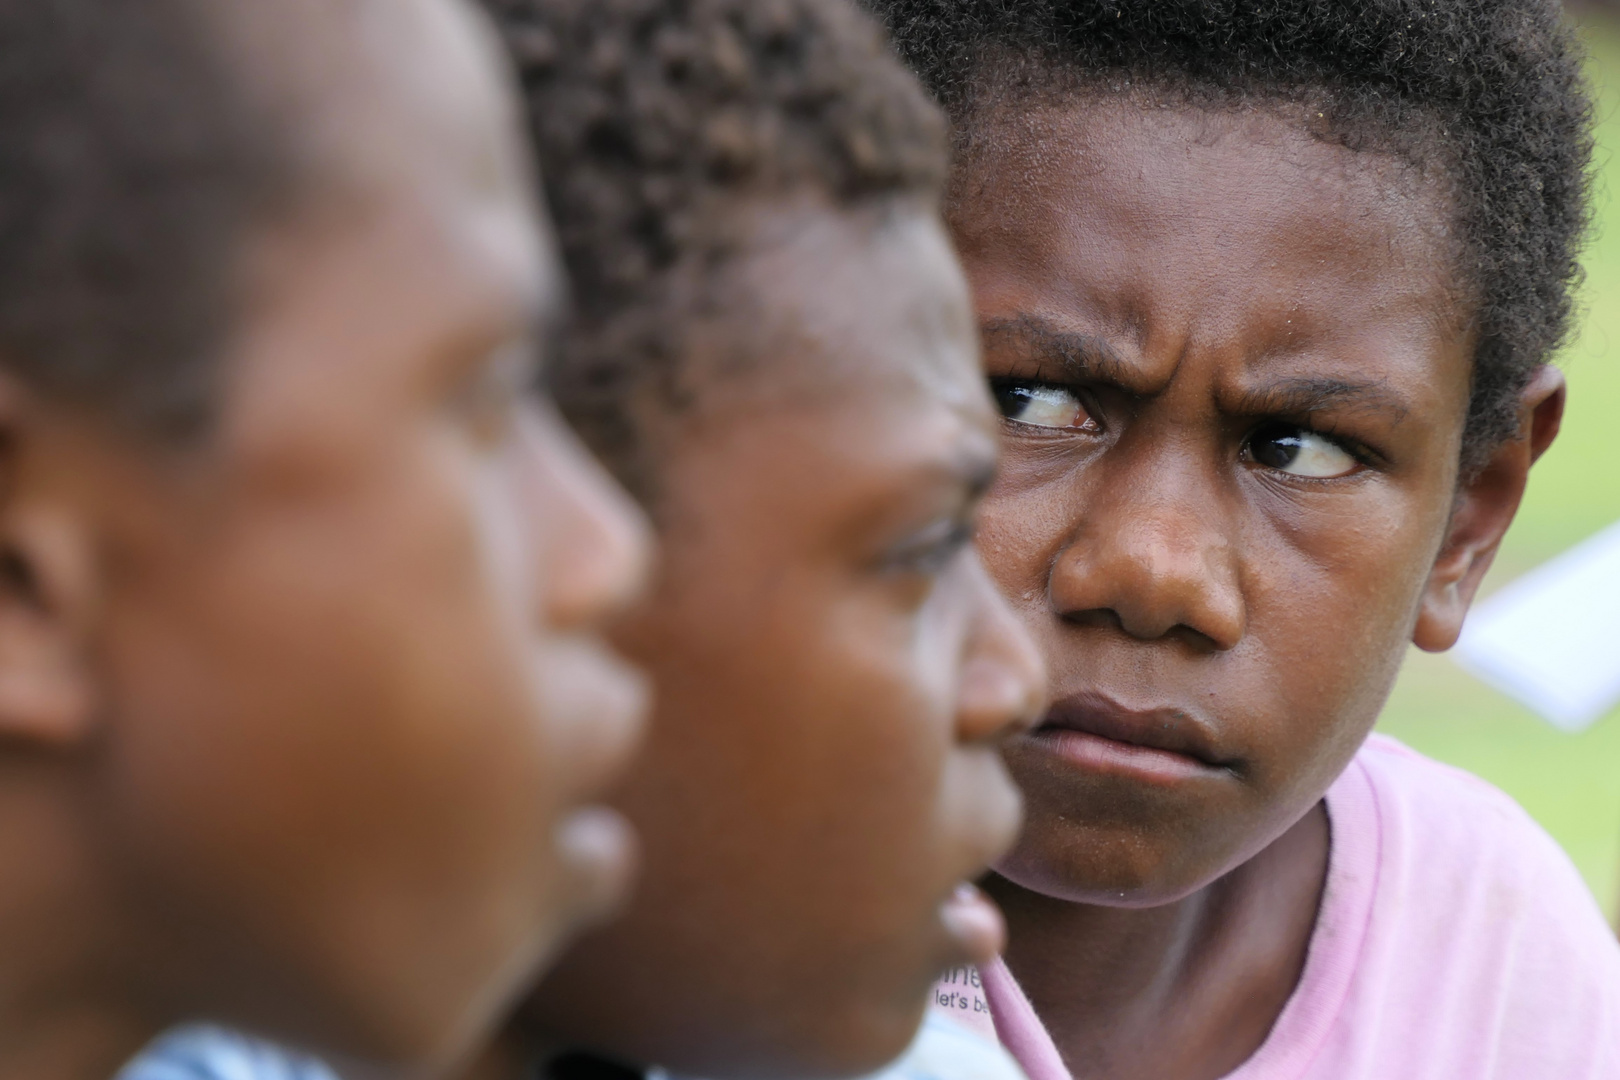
{"x": 403, "y": 102}
{"x": 1211, "y": 224}
{"x": 841, "y": 301}
{"x": 855, "y": 356}
{"x": 416, "y": 241}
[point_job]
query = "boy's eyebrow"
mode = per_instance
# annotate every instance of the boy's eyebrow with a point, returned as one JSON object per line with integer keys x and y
{"x": 1075, "y": 357}
{"x": 1088, "y": 358}
{"x": 1303, "y": 396}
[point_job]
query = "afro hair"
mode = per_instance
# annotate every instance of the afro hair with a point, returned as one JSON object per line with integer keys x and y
{"x": 1491, "y": 90}
{"x": 656, "y": 120}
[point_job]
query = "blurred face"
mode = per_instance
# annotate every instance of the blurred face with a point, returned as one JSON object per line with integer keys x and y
{"x": 1233, "y": 394}
{"x": 355, "y": 698}
{"x": 834, "y": 676}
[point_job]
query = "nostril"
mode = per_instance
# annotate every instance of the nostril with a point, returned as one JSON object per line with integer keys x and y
{"x": 1196, "y": 640}
{"x": 1143, "y": 630}
{"x": 1097, "y": 618}
{"x": 1150, "y": 581}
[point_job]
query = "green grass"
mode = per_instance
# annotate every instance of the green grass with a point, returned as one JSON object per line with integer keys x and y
{"x": 1570, "y": 783}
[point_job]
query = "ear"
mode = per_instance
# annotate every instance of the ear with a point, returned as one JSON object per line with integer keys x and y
{"x": 1484, "y": 509}
{"x": 47, "y": 591}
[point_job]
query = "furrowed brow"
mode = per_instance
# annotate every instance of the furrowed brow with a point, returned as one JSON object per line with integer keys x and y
{"x": 1061, "y": 355}
{"x": 1302, "y": 397}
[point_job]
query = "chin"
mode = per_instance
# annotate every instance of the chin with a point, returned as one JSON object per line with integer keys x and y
{"x": 1110, "y": 869}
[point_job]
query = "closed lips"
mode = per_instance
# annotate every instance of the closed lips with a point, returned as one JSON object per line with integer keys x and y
{"x": 1181, "y": 740}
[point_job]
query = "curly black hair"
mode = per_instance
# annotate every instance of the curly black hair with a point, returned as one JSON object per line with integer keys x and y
{"x": 132, "y": 157}
{"x": 656, "y": 121}
{"x": 1491, "y": 90}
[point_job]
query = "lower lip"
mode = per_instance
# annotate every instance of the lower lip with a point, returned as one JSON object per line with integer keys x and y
{"x": 1095, "y": 754}
{"x": 974, "y": 921}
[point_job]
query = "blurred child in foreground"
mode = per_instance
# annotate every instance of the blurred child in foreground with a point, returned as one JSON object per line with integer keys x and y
{"x": 299, "y": 688}
{"x": 773, "y": 348}
{"x": 1269, "y": 293}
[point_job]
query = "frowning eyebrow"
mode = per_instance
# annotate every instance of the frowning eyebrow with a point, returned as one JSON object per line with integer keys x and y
{"x": 1067, "y": 356}
{"x": 1063, "y": 355}
{"x": 1303, "y": 396}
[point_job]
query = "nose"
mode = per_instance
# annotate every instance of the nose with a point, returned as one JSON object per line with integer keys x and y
{"x": 1153, "y": 557}
{"x": 598, "y": 546}
{"x": 1002, "y": 690}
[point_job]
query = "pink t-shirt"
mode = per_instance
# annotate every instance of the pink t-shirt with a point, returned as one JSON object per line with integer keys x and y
{"x": 1455, "y": 942}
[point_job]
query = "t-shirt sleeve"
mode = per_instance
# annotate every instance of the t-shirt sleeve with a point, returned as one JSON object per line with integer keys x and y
{"x": 211, "y": 1053}
{"x": 1486, "y": 956}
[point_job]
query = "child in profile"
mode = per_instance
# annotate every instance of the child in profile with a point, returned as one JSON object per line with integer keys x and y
{"x": 302, "y": 697}
{"x": 773, "y": 348}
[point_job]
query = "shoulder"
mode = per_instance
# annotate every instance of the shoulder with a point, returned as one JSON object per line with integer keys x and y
{"x": 211, "y": 1053}
{"x": 946, "y": 1050}
{"x": 1438, "y": 821}
{"x": 1482, "y": 944}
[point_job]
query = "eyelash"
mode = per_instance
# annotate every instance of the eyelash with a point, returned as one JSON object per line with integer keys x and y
{"x": 1363, "y": 454}
{"x": 492, "y": 394}
{"x": 1005, "y": 389}
{"x": 1001, "y": 386}
{"x": 930, "y": 555}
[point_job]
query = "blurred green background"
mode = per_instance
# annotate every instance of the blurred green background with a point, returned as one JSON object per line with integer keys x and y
{"x": 1570, "y": 783}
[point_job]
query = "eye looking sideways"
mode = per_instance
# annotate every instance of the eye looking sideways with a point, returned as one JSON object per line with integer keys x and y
{"x": 1041, "y": 404}
{"x": 1299, "y": 451}
{"x": 1290, "y": 448}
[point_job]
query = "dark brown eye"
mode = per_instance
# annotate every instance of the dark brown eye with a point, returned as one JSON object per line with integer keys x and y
{"x": 492, "y": 396}
{"x": 1298, "y": 451}
{"x": 1039, "y": 404}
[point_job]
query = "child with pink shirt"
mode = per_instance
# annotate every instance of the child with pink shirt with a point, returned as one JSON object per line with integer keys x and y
{"x": 1268, "y": 293}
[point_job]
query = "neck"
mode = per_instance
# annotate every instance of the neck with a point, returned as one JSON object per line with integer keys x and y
{"x": 1182, "y": 991}
{"x": 67, "y": 1043}
{"x": 65, "y": 1013}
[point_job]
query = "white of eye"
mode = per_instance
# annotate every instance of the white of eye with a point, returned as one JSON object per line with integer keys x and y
{"x": 1312, "y": 455}
{"x": 1049, "y": 406}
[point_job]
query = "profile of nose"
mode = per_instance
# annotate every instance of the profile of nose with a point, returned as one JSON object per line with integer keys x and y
{"x": 1003, "y": 681}
{"x": 1156, "y": 561}
{"x": 599, "y": 547}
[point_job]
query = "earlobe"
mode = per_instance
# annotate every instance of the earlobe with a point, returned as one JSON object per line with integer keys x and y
{"x": 1484, "y": 509}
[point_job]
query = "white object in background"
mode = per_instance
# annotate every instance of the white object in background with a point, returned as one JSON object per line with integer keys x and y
{"x": 1552, "y": 637}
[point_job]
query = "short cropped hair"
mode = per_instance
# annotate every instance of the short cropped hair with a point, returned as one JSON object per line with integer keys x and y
{"x": 1491, "y": 91}
{"x": 655, "y": 121}
{"x": 131, "y": 161}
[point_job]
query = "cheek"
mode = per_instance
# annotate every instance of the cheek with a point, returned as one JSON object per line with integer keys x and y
{"x": 1024, "y": 524}
{"x": 1336, "y": 584}
{"x": 328, "y": 708}
{"x": 806, "y": 729}
{"x": 1332, "y": 592}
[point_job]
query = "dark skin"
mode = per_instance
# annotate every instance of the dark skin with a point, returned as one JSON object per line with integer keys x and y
{"x": 834, "y": 672}
{"x": 298, "y": 724}
{"x": 1234, "y": 366}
